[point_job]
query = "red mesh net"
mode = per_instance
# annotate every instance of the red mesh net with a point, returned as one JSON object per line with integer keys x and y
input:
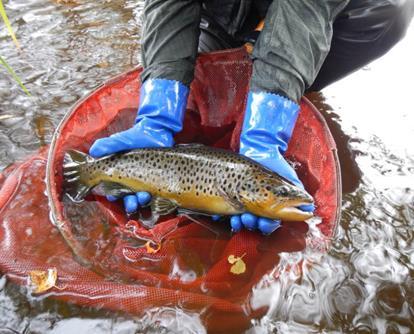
{"x": 102, "y": 257}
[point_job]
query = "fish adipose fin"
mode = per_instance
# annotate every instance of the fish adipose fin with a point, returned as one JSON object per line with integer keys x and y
{"x": 73, "y": 164}
{"x": 115, "y": 189}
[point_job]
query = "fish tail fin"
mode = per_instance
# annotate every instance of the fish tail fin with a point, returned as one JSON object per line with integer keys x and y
{"x": 75, "y": 177}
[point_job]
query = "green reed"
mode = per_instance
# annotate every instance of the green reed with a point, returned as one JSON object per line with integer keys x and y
{"x": 13, "y": 36}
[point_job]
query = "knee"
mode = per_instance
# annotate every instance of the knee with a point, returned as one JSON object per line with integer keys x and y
{"x": 397, "y": 16}
{"x": 380, "y": 23}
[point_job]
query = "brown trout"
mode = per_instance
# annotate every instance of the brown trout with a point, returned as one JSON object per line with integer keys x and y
{"x": 191, "y": 177}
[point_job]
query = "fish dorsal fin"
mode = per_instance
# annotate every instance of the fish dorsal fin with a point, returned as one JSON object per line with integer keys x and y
{"x": 190, "y": 145}
{"x": 162, "y": 206}
{"x": 115, "y": 189}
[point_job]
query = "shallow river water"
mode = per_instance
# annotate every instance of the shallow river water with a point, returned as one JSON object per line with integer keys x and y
{"x": 365, "y": 284}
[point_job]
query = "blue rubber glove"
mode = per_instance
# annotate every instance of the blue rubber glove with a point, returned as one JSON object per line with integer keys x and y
{"x": 267, "y": 128}
{"x": 160, "y": 116}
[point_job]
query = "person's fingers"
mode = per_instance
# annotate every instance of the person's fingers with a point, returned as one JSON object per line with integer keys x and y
{"x": 236, "y": 223}
{"x": 133, "y": 202}
{"x": 249, "y": 221}
{"x": 307, "y": 207}
{"x": 117, "y": 142}
{"x": 267, "y": 226}
{"x": 111, "y": 198}
{"x": 104, "y": 146}
{"x": 143, "y": 198}
{"x": 130, "y": 203}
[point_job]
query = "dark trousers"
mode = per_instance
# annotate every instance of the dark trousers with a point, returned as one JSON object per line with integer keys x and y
{"x": 364, "y": 31}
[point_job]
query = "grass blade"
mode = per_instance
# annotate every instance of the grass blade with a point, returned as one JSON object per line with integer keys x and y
{"x": 14, "y": 75}
{"x": 8, "y": 25}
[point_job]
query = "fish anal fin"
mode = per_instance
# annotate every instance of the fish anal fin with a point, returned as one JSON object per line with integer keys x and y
{"x": 183, "y": 211}
{"x": 77, "y": 192}
{"x": 162, "y": 206}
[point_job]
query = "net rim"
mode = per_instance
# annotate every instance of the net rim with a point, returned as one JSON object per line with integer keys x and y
{"x": 334, "y": 151}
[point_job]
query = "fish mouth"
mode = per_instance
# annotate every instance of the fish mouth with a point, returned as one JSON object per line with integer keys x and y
{"x": 291, "y": 211}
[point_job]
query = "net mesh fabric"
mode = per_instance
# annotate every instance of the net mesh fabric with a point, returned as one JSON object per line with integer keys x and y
{"x": 101, "y": 255}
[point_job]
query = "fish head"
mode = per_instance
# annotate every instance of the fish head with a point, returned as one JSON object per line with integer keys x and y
{"x": 277, "y": 198}
{"x": 286, "y": 200}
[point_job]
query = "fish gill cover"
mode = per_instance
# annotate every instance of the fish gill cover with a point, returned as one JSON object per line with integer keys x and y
{"x": 105, "y": 260}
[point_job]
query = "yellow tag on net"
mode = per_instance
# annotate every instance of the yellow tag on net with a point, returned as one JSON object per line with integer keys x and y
{"x": 238, "y": 266}
{"x": 42, "y": 281}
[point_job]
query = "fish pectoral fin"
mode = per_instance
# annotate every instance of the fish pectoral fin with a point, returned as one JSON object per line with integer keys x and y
{"x": 162, "y": 206}
{"x": 115, "y": 189}
{"x": 234, "y": 201}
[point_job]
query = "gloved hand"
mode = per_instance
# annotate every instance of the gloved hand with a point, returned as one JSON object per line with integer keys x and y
{"x": 160, "y": 116}
{"x": 267, "y": 128}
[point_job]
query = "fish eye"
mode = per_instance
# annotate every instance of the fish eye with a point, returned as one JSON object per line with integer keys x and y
{"x": 282, "y": 190}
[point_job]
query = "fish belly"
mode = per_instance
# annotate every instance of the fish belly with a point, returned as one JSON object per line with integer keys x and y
{"x": 214, "y": 205}
{"x": 211, "y": 204}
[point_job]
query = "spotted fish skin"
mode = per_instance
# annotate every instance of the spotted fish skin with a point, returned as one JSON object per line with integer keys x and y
{"x": 194, "y": 177}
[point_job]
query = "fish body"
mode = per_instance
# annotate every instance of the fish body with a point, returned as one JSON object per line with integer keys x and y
{"x": 194, "y": 177}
